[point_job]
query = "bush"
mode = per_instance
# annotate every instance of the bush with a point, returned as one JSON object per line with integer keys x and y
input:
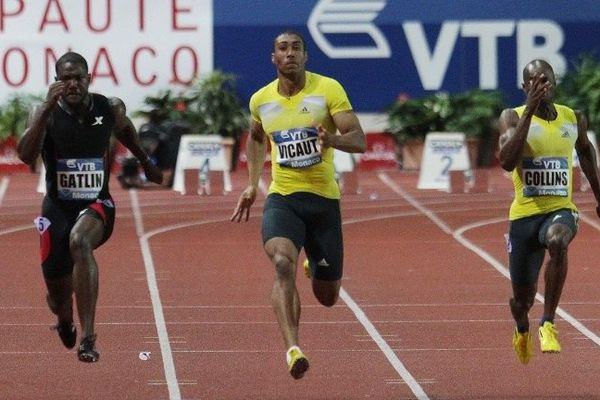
{"x": 473, "y": 113}
{"x": 210, "y": 106}
{"x": 14, "y": 113}
{"x": 580, "y": 89}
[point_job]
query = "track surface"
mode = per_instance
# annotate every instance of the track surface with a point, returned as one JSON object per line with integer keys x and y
{"x": 423, "y": 311}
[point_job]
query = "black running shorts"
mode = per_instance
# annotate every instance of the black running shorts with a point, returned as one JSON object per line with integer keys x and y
{"x": 54, "y": 227}
{"x": 526, "y": 243}
{"x": 311, "y": 222}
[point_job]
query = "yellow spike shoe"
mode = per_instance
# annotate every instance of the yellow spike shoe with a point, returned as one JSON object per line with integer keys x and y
{"x": 297, "y": 362}
{"x": 523, "y": 345}
{"x": 307, "y": 271}
{"x": 549, "y": 338}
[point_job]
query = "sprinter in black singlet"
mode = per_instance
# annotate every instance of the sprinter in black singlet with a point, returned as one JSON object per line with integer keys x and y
{"x": 71, "y": 130}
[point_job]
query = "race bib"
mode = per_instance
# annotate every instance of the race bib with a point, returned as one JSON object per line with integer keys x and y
{"x": 79, "y": 178}
{"x": 297, "y": 148}
{"x": 545, "y": 176}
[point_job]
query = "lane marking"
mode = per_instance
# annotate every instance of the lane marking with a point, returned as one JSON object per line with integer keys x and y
{"x": 159, "y": 318}
{"x": 360, "y": 315}
{"x": 506, "y": 273}
{"x": 18, "y": 228}
{"x": 384, "y": 346}
{"x": 389, "y": 182}
{"x": 497, "y": 265}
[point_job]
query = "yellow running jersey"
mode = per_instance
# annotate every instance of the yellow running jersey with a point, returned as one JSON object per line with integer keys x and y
{"x": 297, "y": 163}
{"x": 543, "y": 179}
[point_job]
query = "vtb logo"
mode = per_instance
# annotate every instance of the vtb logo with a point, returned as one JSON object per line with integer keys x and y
{"x": 330, "y": 17}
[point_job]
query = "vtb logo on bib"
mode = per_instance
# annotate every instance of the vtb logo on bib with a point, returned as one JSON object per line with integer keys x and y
{"x": 297, "y": 148}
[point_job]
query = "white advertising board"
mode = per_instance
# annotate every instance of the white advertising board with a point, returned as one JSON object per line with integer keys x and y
{"x": 203, "y": 153}
{"x": 134, "y": 48}
{"x": 443, "y": 152}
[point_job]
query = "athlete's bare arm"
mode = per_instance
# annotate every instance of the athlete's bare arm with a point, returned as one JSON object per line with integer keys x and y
{"x": 514, "y": 129}
{"x": 352, "y": 138}
{"x": 587, "y": 157}
{"x": 30, "y": 144}
{"x": 126, "y": 133}
{"x": 255, "y": 152}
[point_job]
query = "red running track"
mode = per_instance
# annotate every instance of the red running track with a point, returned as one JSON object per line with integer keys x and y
{"x": 423, "y": 312}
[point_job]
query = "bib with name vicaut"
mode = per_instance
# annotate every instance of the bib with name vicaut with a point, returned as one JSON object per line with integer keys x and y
{"x": 545, "y": 176}
{"x": 79, "y": 178}
{"x": 297, "y": 148}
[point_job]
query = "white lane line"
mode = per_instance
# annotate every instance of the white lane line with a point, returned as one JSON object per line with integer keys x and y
{"x": 3, "y": 186}
{"x": 161, "y": 326}
{"x": 505, "y": 271}
{"x": 360, "y": 315}
{"x": 415, "y": 203}
{"x": 17, "y": 228}
{"x": 384, "y": 346}
{"x": 457, "y": 234}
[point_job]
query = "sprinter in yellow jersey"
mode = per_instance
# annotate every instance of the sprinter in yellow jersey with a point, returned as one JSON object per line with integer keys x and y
{"x": 299, "y": 113}
{"x": 537, "y": 144}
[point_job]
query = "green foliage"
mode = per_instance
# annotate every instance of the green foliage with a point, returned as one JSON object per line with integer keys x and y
{"x": 580, "y": 89}
{"x": 215, "y": 107}
{"x": 165, "y": 105}
{"x": 472, "y": 112}
{"x": 211, "y": 106}
{"x": 14, "y": 113}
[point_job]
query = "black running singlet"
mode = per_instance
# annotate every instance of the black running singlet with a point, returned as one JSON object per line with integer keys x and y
{"x": 75, "y": 152}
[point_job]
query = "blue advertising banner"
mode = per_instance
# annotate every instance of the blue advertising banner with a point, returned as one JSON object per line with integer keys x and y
{"x": 379, "y": 49}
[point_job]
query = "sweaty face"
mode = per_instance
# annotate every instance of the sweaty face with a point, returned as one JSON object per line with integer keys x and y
{"x": 289, "y": 55}
{"x": 76, "y": 80}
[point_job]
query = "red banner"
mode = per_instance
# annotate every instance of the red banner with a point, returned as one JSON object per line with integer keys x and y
{"x": 380, "y": 154}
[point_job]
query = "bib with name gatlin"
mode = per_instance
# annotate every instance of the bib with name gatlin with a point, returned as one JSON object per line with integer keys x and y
{"x": 543, "y": 179}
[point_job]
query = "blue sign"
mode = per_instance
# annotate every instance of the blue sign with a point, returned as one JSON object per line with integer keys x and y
{"x": 380, "y": 49}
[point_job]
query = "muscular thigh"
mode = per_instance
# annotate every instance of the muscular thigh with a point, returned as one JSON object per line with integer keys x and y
{"x": 281, "y": 220}
{"x": 55, "y": 225}
{"x": 309, "y": 221}
{"x": 324, "y": 242}
{"x": 526, "y": 253}
{"x": 566, "y": 217}
{"x": 103, "y": 211}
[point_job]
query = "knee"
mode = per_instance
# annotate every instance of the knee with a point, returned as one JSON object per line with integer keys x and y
{"x": 284, "y": 267}
{"x": 79, "y": 245}
{"x": 522, "y": 304}
{"x": 557, "y": 245}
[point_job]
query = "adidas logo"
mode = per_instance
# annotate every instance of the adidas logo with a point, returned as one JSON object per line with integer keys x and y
{"x": 565, "y": 134}
{"x": 323, "y": 263}
{"x": 304, "y": 110}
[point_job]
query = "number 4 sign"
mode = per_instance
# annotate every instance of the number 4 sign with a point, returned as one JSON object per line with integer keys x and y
{"x": 443, "y": 152}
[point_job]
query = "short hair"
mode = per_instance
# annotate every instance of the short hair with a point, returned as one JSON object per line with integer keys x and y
{"x": 72, "y": 57}
{"x": 536, "y": 64}
{"x": 291, "y": 32}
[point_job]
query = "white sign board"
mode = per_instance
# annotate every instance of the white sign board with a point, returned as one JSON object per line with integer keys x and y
{"x": 133, "y": 48}
{"x": 443, "y": 152}
{"x": 204, "y": 153}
